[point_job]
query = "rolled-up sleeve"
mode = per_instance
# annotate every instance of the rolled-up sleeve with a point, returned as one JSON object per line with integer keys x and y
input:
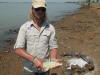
{"x": 53, "y": 41}
{"x": 20, "y": 42}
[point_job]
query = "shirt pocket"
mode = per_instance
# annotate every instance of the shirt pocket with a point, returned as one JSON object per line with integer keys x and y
{"x": 45, "y": 37}
{"x": 32, "y": 37}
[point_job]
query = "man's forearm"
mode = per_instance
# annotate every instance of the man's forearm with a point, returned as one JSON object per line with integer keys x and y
{"x": 53, "y": 53}
{"x": 24, "y": 54}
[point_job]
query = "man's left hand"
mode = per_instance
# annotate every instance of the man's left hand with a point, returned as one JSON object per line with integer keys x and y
{"x": 56, "y": 60}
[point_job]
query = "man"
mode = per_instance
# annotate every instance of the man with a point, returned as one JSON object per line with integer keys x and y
{"x": 36, "y": 41}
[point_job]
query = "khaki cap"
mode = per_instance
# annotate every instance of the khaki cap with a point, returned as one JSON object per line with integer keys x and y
{"x": 38, "y": 3}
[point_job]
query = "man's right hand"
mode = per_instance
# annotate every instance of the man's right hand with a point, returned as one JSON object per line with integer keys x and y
{"x": 39, "y": 63}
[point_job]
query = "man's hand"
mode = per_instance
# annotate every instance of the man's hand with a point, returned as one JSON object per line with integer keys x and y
{"x": 56, "y": 60}
{"x": 53, "y": 55}
{"x": 39, "y": 63}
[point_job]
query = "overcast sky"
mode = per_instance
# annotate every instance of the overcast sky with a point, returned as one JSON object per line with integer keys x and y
{"x": 31, "y": 0}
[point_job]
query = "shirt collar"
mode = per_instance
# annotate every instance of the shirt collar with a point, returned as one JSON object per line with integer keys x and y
{"x": 43, "y": 25}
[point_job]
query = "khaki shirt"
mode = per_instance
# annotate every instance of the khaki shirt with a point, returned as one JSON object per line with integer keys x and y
{"x": 36, "y": 43}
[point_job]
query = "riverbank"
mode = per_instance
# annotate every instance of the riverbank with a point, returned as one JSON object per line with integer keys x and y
{"x": 79, "y": 33}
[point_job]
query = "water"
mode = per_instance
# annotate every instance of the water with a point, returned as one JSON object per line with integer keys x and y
{"x": 12, "y": 15}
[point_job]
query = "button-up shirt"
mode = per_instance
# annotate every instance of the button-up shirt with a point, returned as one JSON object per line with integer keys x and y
{"x": 35, "y": 42}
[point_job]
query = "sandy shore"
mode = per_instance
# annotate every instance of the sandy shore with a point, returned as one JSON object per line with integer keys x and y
{"x": 79, "y": 33}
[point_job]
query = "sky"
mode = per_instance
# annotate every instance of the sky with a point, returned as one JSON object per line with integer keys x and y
{"x": 31, "y": 0}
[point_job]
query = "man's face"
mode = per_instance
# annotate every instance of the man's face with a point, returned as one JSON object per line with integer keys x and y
{"x": 39, "y": 12}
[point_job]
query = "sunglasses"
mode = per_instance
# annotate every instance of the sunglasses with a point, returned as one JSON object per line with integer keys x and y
{"x": 40, "y": 9}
